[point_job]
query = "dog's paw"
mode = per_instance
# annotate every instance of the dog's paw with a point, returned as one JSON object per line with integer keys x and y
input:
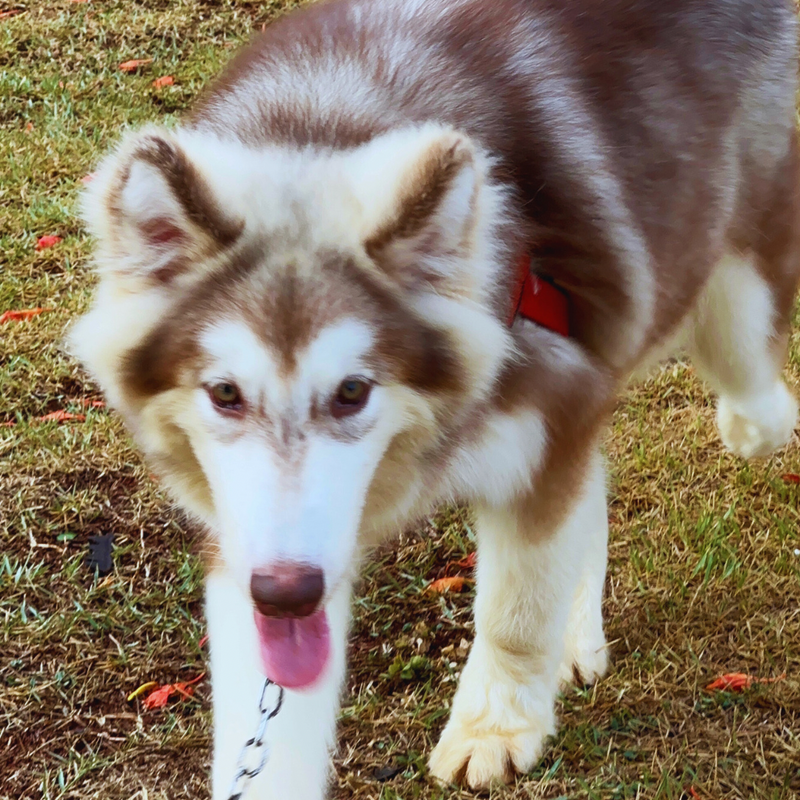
{"x": 756, "y": 428}
{"x": 478, "y": 756}
{"x": 584, "y": 664}
{"x": 498, "y": 727}
{"x": 585, "y": 657}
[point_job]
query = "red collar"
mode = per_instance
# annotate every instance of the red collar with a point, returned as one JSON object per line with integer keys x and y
{"x": 539, "y": 300}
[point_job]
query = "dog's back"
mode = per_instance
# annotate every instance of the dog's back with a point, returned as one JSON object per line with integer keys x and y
{"x": 640, "y": 135}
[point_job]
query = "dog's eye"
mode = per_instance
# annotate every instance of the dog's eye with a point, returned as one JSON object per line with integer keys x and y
{"x": 351, "y": 396}
{"x": 225, "y": 395}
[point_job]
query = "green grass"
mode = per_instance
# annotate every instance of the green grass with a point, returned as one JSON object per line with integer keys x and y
{"x": 703, "y": 576}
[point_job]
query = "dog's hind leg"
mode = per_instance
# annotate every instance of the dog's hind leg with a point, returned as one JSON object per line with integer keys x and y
{"x": 301, "y": 736}
{"x": 528, "y": 582}
{"x": 741, "y": 324}
{"x": 739, "y": 344}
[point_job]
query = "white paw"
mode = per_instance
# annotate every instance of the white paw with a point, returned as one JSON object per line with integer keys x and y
{"x": 481, "y": 757}
{"x": 497, "y": 728}
{"x": 588, "y": 660}
{"x": 584, "y": 641}
{"x": 757, "y": 427}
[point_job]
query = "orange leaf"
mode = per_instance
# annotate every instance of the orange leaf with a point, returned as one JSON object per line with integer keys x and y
{"x": 61, "y": 416}
{"x": 134, "y": 64}
{"x": 26, "y": 313}
{"x": 203, "y": 641}
{"x": 790, "y": 477}
{"x": 737, "y": 681}
{"x": 47, "y": 241}
{"x": 469, "y": 562}
{"x": 454, "y": 584}
{"x": 159, "y": 697}
{"x": 183, "y": 689}
{"x": 88, "y": 403}
{"x": 195, "y": 680}
{"x": 694, "y": 794}
{"x": 164, "y": 80}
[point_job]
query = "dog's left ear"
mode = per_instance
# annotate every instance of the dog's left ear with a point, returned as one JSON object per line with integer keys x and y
{"x": 432, "y": 179}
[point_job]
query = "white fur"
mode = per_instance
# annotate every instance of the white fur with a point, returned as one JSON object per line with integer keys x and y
{"x": 503, "y": 709}
{"x": 302, "y": 735}
{"x": 299, "y": 499}
{"x": 584, "y": 640}
{"x": 735, "y": 351}
{"x": 501, "y": 465}
{"x": 278, "y": 488}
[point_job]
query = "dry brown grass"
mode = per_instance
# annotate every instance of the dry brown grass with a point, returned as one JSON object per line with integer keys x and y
{"x": 704, "y": 574}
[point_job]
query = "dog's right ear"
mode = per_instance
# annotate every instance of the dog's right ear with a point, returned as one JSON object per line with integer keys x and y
{"x": 152, "y": 211}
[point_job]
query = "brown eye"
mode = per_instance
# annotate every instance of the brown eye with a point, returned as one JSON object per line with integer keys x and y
{"x": 225, "y": 395}
{"x": 351, "y": 396}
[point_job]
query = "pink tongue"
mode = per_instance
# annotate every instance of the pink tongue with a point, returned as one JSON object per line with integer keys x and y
{"x": 294, "y": 652}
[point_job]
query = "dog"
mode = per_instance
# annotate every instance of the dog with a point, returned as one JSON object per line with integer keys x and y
{"x": 407, "y": 252}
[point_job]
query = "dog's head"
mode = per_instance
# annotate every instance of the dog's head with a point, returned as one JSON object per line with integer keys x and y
{"x": 291, "y": 334}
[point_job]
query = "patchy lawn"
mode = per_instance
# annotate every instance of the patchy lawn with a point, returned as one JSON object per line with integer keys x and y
{"x": 704, "y": 572}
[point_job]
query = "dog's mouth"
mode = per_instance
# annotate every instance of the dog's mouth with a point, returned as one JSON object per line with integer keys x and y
{"x": 294, "y": 650}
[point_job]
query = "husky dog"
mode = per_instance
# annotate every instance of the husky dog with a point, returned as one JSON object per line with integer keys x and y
{"x": 307, "y": 315}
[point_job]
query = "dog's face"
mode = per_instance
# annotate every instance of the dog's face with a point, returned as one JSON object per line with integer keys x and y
{"x": 289, "y": 334}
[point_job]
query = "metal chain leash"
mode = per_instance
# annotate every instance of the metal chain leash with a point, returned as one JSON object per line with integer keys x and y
{"x": 252, "y": 747}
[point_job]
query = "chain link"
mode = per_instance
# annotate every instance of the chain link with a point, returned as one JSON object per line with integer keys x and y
{"x": 245, "y": 774}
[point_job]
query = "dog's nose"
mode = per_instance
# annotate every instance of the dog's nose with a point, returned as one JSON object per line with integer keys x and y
{"x": 288, "y": 590}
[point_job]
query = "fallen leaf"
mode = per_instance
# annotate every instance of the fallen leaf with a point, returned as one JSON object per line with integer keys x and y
{"x": 469, "y": 562}
{"x": 141, "y": 690}
{"x": 53, "y": 416}
{"x": 134, "y": 64}
{"x": 737, "y": 681}
{"x": 28, "y": 127}
{"x": 160, "y": 697}
{"x": 11, "y": 13}
{"x": 88, "y": 403}
{"x": 61, "y": 416}
{"x": 25, "y": 313}
{"x": 453, "y": 584}
{"x": 47, "y": 241}
{"x": 164, "y": 80}
{"x": 693, "y": 793}
{"x": 790, "y": 477}
{"x": 203, "y": 641}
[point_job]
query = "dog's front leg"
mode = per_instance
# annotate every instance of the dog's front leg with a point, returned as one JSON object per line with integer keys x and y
{"x": 302, "y": 735}
{"x": 528, "y": 580}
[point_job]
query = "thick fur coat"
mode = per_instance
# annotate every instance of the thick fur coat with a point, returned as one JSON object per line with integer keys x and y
{"x": 302, "y": 316}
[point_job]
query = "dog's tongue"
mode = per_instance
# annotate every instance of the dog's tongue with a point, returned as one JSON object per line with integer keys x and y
{"x": 294, "y": 652}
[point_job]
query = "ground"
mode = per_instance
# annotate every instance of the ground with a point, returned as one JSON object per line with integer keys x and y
{"x": 704, "y": 574}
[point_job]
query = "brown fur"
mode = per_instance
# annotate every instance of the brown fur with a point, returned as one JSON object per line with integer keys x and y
{"x": 650, "y": 83}
{"x": 661, "y": 100}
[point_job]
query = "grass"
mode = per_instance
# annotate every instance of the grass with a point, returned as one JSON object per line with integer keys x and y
{"x": 704, "y": 573}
